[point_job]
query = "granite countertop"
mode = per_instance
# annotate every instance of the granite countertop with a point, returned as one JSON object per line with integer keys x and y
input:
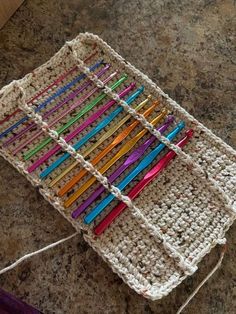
{"x": 187, "y": 47}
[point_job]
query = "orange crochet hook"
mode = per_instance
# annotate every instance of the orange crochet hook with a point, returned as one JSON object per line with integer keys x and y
{"x": 125, "y": 149}
{"x": 120, "y": 137}
{"x": 114, "y": 128}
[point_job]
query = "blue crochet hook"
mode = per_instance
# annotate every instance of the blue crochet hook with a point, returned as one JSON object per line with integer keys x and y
{"x": 92, "y": 133}
{"x": 146, "y": 161}
{"x": 49, "y": 99}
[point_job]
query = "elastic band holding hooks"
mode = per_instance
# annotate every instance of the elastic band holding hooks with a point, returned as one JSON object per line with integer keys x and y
{"x": 210, "y": 274}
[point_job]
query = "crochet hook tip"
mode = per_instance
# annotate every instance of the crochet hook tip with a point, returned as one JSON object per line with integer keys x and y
{"x": 106, "y": 66}
{"x": 181, "y": 125}
{"x": 141, "y": 88}
{"x": 189, "y": 133}
{"x": 132, "y": 85}
{"x": 87, "y": 220}
{"x": 170, "y": 119}
{"x": 74, "y": 215}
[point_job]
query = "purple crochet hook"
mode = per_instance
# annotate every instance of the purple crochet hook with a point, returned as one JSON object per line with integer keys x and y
{"x": 10, "y": 304}
{"x": 56, "y": 107}
{"x": 133, "y": 157}
{"x": 64, "y": 113}
{"x": 87, "y": 122}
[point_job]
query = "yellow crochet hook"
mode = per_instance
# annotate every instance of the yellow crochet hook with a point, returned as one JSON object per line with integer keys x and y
{"x": 106, "y": 135}
{"x": 114, "y": 128}
{"x": 117, "y": 140}
{"x": 125, "y": 149}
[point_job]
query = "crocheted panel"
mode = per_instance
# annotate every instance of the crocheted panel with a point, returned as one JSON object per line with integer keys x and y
{"x": 175, "y": 221}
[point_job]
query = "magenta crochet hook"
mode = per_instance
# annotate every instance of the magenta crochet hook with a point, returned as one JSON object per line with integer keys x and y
{"x": 64, "y": 113}
{"x": 87, "y": 122}
{"x": 133, "y": 157}
{"x": 57, "y": 106}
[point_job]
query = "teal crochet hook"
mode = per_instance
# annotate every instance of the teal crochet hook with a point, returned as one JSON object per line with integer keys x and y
{"x": 146, "y": 161}
{"x": 92, "y": 133}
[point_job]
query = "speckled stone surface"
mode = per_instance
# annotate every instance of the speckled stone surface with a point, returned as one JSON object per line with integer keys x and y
{"x": 187, "y": 47}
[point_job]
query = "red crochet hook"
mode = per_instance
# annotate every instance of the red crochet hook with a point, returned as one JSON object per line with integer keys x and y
{"x": 135, "y": 191}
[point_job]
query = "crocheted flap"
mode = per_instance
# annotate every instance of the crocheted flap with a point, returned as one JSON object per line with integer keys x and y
{"x": 164, "y": 233}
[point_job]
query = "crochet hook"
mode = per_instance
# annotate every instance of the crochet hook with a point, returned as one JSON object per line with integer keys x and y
{"x": 146, "y": 161}
{"x": 87, "y": 108}
{"x": 133, "y": 157}
{"x": 49, "y": 87}
{"x": 48, "y": 100}
{"x": 92, "y": 133}
{"x": 48, "y": 113}
{"x": 117, "y": 140}
{"x": 114, "y": 128}
{"x": 136, "y": 190}
{"x": 86, "y": 123}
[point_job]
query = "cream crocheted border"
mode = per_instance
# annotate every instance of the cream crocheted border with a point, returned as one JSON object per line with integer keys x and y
{"x": 145, "y": 246}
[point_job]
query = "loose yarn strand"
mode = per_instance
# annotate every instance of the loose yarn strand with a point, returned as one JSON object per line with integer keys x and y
{"x": 211, "y": 273}
{"x": 26, "y": 256}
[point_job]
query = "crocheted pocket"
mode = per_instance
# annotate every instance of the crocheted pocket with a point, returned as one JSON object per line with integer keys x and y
{"x": 164, "y": 233}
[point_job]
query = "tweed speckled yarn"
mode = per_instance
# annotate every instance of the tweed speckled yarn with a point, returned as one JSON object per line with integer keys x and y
{"x": 179, "y": 217}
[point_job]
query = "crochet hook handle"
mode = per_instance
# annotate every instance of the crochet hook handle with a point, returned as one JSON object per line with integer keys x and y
{"x": 151, "y": 175}
{"x": 141, "y": 166}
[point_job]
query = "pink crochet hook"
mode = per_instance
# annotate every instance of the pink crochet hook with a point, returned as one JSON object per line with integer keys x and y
{"x": 136, "y": 190}
{"x": 87, "y": 122}
{"x": 47, "y": 114}
{"x": 54, "y": 83}
{"x": 64, "y": 113}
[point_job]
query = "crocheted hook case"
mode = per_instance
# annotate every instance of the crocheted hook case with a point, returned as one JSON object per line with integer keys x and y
{"x": 177, "y": 219}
